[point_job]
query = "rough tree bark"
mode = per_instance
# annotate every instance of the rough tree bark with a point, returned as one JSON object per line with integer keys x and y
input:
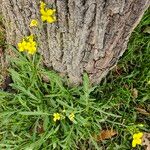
{"x": 89, "y": 35}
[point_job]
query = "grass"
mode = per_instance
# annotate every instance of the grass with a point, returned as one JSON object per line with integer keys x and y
{"x": 26, "y": 113}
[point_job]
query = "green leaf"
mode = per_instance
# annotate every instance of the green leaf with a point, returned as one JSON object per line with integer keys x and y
{"x": 46, "y": 122}
{"x": 36, "y": 113}
{"x": 22, "y": 89}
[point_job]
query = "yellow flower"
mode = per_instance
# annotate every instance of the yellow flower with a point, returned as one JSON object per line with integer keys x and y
{"x": 31, "y": 47}
{"x": 71, "y": 116}
{"x": 47, "y": 14}
{"x": 56, "y": 116}
{"x": 137, "y": 139}
{"x": 28, "y": 44}
{"x": 22, "y": 46}
{"x": 33, "y": 23}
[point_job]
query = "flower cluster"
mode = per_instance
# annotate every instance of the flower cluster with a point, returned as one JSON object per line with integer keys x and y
{"x": 28, "y": 44}
{"x": 58, "y": 116}
{"x": 47, "y": 14}
{"x": 137, "y": 139}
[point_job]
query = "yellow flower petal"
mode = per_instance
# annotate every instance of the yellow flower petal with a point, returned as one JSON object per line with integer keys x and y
{"x": 133, "y": 143}
{"x": 50, "y": 19}
{"x": 44, "y": 18}
{"x": 27, "y": 46}
{"x": 138, "y": 141}
{"x": 140, "y": 135}
{"x": 20, "y": 47}
{"x": 42, "y": 11}
{"x": 50, "y": 12}
{"x": 137, "y": 135}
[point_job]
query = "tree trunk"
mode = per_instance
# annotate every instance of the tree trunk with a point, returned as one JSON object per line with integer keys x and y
{"x": 89, "y": 35}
